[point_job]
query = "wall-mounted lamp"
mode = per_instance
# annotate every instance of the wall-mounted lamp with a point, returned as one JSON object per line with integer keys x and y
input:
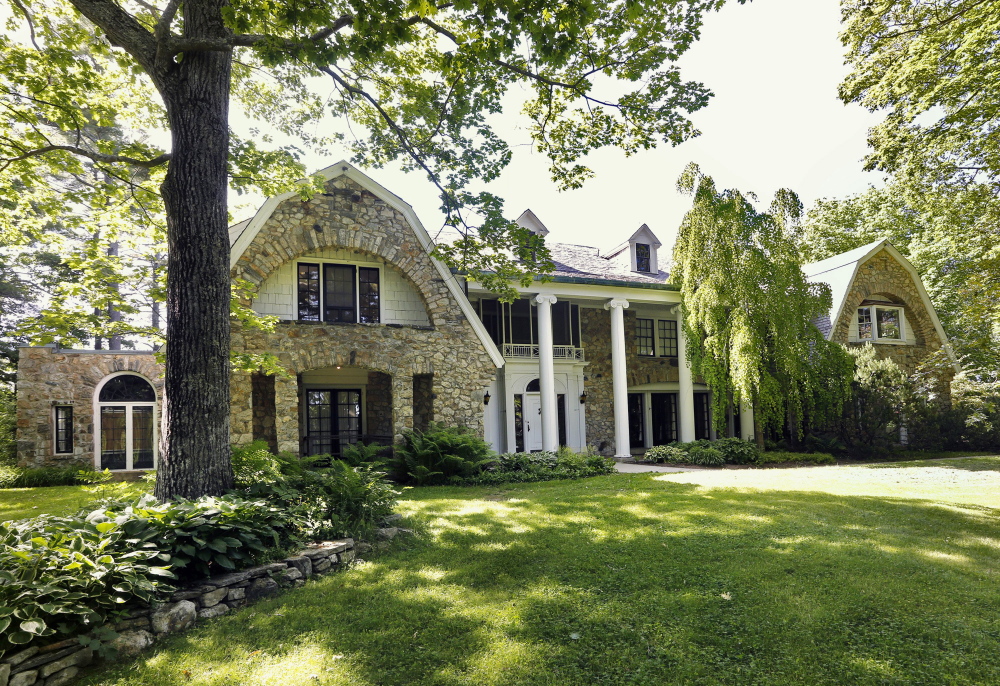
{"x": 583, "y": 397}
{"x": 486, "y": 398}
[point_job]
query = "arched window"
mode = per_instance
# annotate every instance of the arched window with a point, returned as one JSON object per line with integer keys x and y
{"x": 126, "y": 415}
{"x": 533, "y": 387}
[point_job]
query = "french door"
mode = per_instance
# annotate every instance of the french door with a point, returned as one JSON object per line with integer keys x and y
{"x": 333, "y": 420}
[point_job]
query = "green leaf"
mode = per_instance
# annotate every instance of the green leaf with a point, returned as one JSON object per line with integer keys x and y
{"x": 224, "y": 561}
{"x": 19, "y": 637}
{"x": 33, "y": 626}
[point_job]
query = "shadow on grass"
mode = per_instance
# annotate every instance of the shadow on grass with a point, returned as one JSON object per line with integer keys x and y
{"x": 629, "y": 580}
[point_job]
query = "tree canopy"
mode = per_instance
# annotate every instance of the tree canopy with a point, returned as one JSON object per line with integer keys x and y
{"x": 415, "y": 82}
{"x": 932, "y": 67}
{"x": 748, "y": 309}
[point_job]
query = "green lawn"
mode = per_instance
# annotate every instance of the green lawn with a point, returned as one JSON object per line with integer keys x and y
{"x": 830, "y": 575}
{"x": 19, "y": 503}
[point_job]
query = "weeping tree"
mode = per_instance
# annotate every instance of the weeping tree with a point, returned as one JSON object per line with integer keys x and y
{"x": 749, "y": 311}
{"x": 412, "y": 81}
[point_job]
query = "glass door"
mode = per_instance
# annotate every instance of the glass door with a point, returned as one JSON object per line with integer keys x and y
{"x": 333, "y": 420}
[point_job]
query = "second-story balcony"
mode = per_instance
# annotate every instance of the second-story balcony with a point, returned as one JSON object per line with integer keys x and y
{"x": 530, "y": 351}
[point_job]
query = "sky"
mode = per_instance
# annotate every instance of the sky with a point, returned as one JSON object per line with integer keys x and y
{"x": 775, "y": 122}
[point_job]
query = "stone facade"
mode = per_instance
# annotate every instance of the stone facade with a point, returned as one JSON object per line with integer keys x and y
{"x": 883, "y": 277}
{"x": 47, "y": 377}
{"x": 596, "y": 326}
{"x": 348, "y": 217}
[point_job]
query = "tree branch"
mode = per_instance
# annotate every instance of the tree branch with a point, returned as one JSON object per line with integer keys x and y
{"x": 123, "y": 30}
{"x": 31, "y": 24}
{"x": 95, "y": 156}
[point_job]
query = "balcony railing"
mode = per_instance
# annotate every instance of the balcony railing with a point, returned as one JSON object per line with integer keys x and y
{"x": 530, "y": 350}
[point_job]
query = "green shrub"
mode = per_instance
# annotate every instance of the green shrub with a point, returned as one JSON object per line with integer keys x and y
{"x": 35, "y": 477}
{"x": 358, "y": 453}
{"x": 8, "y": 429}
{"x": 441, "y": 454}
{"x": 736, "y": 450}
{"x": 66, "y": 575}
{"x": 669, "y": 454}
{"x": 542, "y": 466}
{"x": 253, "y": 463}
{"x": 705, "y": 455}
{"x": 202, "y": 537}
{"x": 785, "y": 457}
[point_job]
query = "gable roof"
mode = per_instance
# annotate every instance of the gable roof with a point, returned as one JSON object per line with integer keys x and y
{"x": 241, "y": 236}
{"x": 530, "y": 221}
{"x": 840, "y": 271}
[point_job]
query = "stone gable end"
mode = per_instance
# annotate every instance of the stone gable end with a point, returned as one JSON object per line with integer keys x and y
{"x": 883, "y": 277}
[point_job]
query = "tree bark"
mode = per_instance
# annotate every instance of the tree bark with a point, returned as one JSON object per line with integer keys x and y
{"x": 758, "y": 435}
{"x": 195, "y": 448}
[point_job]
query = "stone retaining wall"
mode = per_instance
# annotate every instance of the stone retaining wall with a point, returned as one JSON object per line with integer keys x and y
{"x": 60, "y": 663}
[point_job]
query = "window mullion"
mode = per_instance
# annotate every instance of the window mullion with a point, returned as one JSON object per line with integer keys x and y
{"x": 128, "y": 437}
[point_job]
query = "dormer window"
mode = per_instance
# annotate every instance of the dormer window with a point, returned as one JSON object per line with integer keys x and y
{"x": 880, "y": 323}
{"x": 642, "y": 258}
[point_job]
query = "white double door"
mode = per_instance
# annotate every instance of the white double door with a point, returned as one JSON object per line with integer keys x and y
{"x": 532, "y": 422}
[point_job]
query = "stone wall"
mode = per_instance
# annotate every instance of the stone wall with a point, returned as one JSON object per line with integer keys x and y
{"x": 882, "y": 277}
{"x": 598, "y": 382}
{"x": 379, "y": 404}
{"x": 262, "y": 401}
{"x": 47, "y": 377}
{"x": 60, "y": 663}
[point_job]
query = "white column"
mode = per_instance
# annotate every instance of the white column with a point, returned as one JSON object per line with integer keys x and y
{"x": 746, "y": 420}
{"x": 547, "y": 373}
{"x": 685, "y": 395}
{"x": 618, "y": 374}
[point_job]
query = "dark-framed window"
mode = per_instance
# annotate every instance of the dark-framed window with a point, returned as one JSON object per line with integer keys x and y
{"x": 668, "y": 337}
{"x": 636, "y": 420}
{"x": 339, "y": 293}
{"x": 308, "y": 276}
{"x": 642, "y": 257}
{"x": 64, "y": 428}
{"x": 644, "y": 337}
{"x": 702, "y": 417}
{"x": 368, "y": 295}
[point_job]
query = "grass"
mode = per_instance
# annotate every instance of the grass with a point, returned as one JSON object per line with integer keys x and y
{"x": 874, "y": 574}
{"x": 20, "y": 503}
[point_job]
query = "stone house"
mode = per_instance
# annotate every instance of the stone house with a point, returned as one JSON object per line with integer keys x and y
{"x": 377, "y": 337}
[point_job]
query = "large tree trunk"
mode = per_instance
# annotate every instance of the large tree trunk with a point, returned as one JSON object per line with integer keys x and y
{"x": 195, "y": 456}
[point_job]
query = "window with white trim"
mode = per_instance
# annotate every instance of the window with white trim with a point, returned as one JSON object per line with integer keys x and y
{"x": 881, "y": 323}
{"x": 663, "y": 344}
{"x": 643, "y": 258}
{"x": 126, "y": 412}
{"x": 338, "y": 293}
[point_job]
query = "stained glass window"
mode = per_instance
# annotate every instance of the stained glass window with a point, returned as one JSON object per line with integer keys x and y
{"x": 642, "y": 261}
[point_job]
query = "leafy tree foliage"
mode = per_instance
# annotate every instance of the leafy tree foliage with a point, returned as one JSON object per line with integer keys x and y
{"x": 748, "y": 309}
{"x": 417, "y": 80}
{"x": 932, "y": 67}
{"x": 953, "y": 240}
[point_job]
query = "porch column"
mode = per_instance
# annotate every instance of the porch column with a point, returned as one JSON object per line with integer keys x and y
{"x": 746, "y": 421}
{"x": 619, "y": 380}
{"x": 402, "y": 404}
{"x": 286, "y": 415}
{"x": 685, "y": 395}
{"x": 547, "y": 373}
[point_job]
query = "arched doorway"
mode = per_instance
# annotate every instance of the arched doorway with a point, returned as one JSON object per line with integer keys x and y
{"x": 125, "y": 416}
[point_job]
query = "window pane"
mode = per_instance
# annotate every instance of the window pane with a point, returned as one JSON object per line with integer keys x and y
{"x": 520, "y": 321}
{"x": 668, "y": 338}
{"x": 64, "y": 429}
{"x": 702, "y": 417}
{"x": 127, "y": 388}
{"x": 864, "y": 323}
{"x": 888, "y": 323}
{"x": 519, "y": 423}
{"x": 664, "y": 409}
{"x": 560, "y": 324}
{"x": 644, "y": 336}
{"x": 309, "y": 292}
{"x": 489, "y": 312}
{"x": 338, "y": 285}
{"x": 636, "y": 421}
{"x": 142, "y": 438}
{"x": 368, "y": 295}
{"x": 112, "y": 438}
{"x": 642, "y": 257}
